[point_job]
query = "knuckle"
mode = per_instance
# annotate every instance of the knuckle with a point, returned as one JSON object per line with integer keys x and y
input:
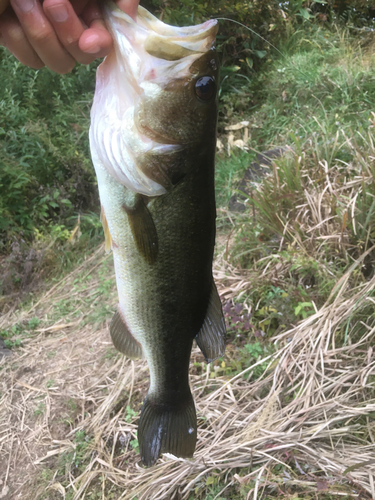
{"x": 42, "y": 36}
{"x": 15, "y": 34}
{"x": 70, "y": 42}
{"x": 48, "y": 3}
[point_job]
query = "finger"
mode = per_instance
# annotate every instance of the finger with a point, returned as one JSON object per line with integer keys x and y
{"x": 15, "y": 40}
{"x": 41, "y": 36}
{"x": 79, "y": 5}
{"x": 3, "y": 5}
{"x": 95, "y": 40}
{"x": 68, "y": 28}
{"x": 130, "y": 7}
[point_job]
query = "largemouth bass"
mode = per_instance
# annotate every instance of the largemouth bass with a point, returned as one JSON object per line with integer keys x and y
{"x": 153, "y": 138}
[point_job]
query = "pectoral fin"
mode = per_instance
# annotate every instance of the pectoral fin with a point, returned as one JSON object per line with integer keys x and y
{"x": 166, "y": 165}
{"x": 211, "y": 337}
{"x": 143, "y": 228}
{"x": 122, "y": 339}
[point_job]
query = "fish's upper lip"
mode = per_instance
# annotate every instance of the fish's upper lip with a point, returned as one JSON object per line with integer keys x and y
{"x": 180, "y": 41}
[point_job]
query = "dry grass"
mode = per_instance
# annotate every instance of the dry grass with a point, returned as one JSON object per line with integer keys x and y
{"x": 311, "y": 413}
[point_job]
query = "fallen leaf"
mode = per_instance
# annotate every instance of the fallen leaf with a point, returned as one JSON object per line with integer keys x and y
{"x": 321, "y": 485}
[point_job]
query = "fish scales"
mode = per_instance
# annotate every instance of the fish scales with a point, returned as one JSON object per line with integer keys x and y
{"x": 155, "y": 172}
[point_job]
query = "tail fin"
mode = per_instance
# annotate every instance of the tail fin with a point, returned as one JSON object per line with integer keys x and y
{"x": 167, "y": 429}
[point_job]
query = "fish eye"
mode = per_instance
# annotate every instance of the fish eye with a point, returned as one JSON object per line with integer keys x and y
{"x": 205, "y": 88}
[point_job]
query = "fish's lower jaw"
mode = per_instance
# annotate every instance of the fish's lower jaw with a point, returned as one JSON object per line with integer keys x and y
{"x": 167, "y": 429}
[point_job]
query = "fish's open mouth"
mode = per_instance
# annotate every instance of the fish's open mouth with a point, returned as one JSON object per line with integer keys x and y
{"x": 151, "y": 50}
{"x": 148, "y": 54}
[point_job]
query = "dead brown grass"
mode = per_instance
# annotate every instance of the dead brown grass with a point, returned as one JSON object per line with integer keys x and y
{"x": 311, "y": 412}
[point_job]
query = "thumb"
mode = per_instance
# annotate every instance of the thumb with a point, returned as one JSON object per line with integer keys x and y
{"x": 130, "y": 7}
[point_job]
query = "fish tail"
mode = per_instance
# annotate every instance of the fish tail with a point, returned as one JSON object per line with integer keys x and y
{"x": 167, "y": 429}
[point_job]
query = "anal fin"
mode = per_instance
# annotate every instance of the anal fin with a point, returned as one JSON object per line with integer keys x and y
{"x": 211, "y": 337}
{"x": 122, "y": 339}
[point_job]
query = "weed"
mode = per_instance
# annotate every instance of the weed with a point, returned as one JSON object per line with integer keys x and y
{"x": 72, "y": 405}
{"x": 71, "y": 460}
{"x": 130, "y": 414}
{"x": 111, "y": 353}
{"x": 9, "y": 344}
{"x": 135, "y": 444}
{"x": 33, "y": 323}
{"x": 14, "y": 336}
{"x": 40, "y": 410}
{"x": 44, "y": 156}
{"x": 228, "y": 172}
{"x": 304, "y": 309}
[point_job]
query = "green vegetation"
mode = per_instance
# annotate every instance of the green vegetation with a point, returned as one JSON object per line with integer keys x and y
{"x": 323, "y": 84}
{"x": 45, "y": 169}
{"x": 46, "y": 177}
{"x": 306, "y": 237}
{"x": 48, "y": 193}
{"x": 313, "y": 216}
{"x": 18, "y": 332}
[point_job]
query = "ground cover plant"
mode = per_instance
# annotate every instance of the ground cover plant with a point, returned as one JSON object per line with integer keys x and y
{"x": 48, "y": 190}
{"x": 46, "y": 175}
{"x": 289, "y": 411}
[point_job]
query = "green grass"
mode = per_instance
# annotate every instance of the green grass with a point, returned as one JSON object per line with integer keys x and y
{"x": 324, "y": 82}
{"x": 305, "y": 225}
{"x": 229, "y": 172}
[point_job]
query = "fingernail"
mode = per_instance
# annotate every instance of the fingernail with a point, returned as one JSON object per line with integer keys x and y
{"x": 24, "y": 5}
{"x": 93, "y": 41}
{"x": 59, "y": 13}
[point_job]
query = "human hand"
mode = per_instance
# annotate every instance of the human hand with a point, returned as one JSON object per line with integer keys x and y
{"x": 56, "y": 33}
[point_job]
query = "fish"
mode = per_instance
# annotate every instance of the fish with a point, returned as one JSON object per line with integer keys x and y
{"x": 152, "y": 141}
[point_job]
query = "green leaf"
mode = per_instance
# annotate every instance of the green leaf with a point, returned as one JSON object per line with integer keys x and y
{"x": 231, "y": 69}
{"x": 260, "y": 53}
{"x": 304, "y": 13}
{"x": 210, "y": 480}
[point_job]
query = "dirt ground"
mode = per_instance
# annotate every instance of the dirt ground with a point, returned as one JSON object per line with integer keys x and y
{"x": 69, "y": 405}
